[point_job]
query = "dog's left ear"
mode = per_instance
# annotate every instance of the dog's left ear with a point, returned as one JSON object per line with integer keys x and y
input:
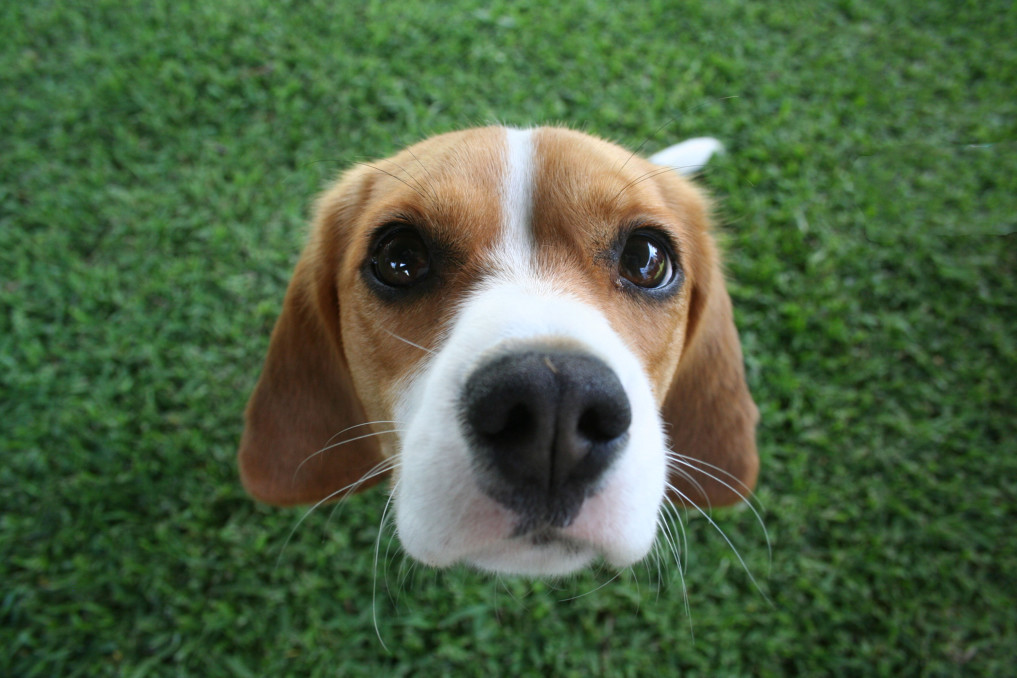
{"x": 305, "y": 399}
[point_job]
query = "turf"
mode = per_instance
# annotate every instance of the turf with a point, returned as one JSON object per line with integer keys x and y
{"x": 157, "y": 160}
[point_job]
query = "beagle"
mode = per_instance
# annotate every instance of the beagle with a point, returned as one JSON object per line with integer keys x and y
{"x": 529, "y": 332}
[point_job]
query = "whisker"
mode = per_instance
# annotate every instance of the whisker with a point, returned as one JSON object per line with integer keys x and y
{"x": 662, "y": 574}
{"x": 430, "y": 177}
{"x": 374, "y": 585}
{"x": 350, "y": 428}
{"x": 407, "y": 173}
{"x": 393, "y": 597}
{"x": 583, "y": 595}
{"x": 665, "y": 536}
{"x": 677, "y": 541}
{"x": 644, "y": 177}
{"x": 403, "y": 181}
{"x": 639, "y": 594}
{"x": 686, "y": 461}
{"x": 663, "y": 552}
{"x": 377, "y": 470}
{"x": 733, "y": 477}
{"x": 674, "y": 466}
{"x": 730, "y": 544}
{"x": 646, "y": 140}
{"x": 503, "y": 583}
{"x": 668, "y": 507}
{"x": 404, "y": 339}
{"x": 381, "y": 468}
{"x": 407, "y": 568}
{"x": 346, "y": 442}
{"x": 658, "y": 562}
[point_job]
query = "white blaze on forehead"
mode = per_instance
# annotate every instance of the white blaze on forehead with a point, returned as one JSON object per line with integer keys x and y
{"x": 517, "y": 198}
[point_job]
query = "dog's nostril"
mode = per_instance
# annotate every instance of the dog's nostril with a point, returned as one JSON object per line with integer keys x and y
{"x": 516, "y": 424}
{"x": 604, "y": 422}
{"x": 589, "y": 426}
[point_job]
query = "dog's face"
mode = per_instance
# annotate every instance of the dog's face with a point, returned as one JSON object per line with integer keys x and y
{"x": 529, "y": 330}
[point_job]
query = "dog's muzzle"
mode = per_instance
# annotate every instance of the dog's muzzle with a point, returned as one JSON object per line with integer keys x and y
{"x": 544, "y": 428}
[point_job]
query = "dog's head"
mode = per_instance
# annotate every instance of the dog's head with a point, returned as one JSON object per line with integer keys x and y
{"x": 529, "y": 332}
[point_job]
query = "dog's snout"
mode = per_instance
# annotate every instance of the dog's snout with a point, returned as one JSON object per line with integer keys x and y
{"x": 548, "y": 425}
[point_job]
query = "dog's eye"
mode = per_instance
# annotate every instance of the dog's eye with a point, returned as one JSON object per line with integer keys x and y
{"x": 401, "y": 258}
{"x": 645, "y": 262}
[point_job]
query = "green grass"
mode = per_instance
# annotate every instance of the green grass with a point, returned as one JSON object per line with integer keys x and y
{"x": 157, "y": 160}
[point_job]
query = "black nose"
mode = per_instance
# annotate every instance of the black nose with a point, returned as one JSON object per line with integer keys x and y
{"x": 545, "y": 427}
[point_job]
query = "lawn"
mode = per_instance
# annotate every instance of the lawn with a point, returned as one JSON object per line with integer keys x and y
{"x": 157, "y": 163}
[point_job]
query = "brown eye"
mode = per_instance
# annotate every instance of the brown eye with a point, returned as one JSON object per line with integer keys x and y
{"x": 401, "y": 258}
{"x": 645, "y": 262}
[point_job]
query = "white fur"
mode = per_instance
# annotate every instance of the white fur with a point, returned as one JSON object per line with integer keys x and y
{"x": 689, "y": 156}
{"x": 442, "y": 515}
{"x": 517, "y": 196}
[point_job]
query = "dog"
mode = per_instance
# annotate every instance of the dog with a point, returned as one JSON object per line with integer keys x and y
{"x": 528, "y": 331}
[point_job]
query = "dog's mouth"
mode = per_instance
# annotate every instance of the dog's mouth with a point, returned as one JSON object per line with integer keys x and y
{"x": 549, "y": 537}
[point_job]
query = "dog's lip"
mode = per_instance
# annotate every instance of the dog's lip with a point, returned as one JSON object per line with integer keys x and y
{"x": 542, "y": 536}
{"x": 545, "y": 537}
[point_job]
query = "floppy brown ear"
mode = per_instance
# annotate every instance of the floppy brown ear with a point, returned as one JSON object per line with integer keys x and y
{"x": 305, "y": 399}
{"x": 710, "y": 414}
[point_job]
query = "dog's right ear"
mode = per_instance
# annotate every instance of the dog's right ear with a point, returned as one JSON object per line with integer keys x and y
{"x": 305, "y": 402}
{"x": 709, "y": 408}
